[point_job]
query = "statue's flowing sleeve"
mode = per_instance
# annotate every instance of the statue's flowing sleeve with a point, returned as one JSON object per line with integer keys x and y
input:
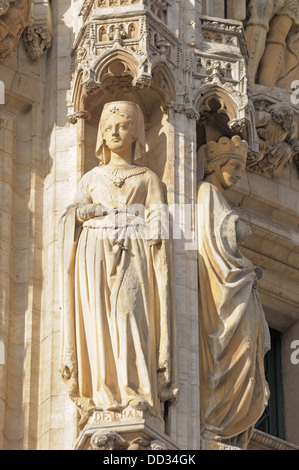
{"x": 161, "y": 252}
{"x": 68, "y": 235}
{"x": 234, "y": 335}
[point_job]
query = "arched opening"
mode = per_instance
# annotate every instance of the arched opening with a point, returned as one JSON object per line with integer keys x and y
{"x": 217, "y": 110}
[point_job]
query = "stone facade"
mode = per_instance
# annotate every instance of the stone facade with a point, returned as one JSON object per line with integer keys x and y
{"x": 197, "y": 71}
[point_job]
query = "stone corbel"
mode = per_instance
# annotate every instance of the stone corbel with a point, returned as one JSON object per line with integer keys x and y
{"x": 81, "y": 114}
{"x": 181, "y": 109}
{"x": 37, "y": 37}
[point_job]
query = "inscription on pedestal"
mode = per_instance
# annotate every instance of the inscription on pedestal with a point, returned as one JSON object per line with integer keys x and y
{"x": 109, "y": 416}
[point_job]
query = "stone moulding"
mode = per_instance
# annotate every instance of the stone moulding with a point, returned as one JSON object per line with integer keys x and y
{"x": 226, "y": 32}
{"x": 181, "y": 108}
{"x": 134, "y": 435}
{"x": 263, "y": 441}
{"x": 86, "y": 8}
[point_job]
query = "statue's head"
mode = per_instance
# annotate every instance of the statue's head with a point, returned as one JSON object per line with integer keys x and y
{"x": 283, "y": 114}
{"x": 226, "y": 158}
{"x": 121, "y": 126}
{"x": 4, "y": 6}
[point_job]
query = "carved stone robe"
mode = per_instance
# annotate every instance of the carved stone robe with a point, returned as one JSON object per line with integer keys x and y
{"x": 234, "y": 335}
{"x": 116, "y": 312}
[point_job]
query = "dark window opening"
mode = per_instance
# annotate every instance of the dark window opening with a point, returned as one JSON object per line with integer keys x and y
{"x": 271, "y": 421}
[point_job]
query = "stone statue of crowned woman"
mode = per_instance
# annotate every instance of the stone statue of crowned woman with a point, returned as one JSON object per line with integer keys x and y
{"x": 234, "y": 335}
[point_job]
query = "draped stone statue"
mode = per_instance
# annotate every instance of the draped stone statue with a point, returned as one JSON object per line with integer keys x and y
{"x": 115, "y": 279}
{"x": 272, "y": 34}
{"x": 278, "y": 139}
{"x": 234, "y": 336}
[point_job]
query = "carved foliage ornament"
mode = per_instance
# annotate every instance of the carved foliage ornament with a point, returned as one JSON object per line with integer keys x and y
{"x": 111, "y": 440}
{"x": 36, "y": 39}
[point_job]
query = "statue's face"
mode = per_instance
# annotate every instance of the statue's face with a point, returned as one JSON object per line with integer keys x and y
{"x": 118, "y": 133}
{"x": 231, "y": 172}
{"x": 4, "y": 6}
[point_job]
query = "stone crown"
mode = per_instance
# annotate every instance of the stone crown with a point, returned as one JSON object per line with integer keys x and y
{"x": 225, "y": 147}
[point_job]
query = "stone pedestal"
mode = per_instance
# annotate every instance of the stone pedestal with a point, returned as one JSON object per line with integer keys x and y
{"x": 209, "y": 444}
{"x": 130, "y": 434}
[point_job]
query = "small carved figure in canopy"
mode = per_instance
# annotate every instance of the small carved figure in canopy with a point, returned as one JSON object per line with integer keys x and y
{"x": 278, "y": 139}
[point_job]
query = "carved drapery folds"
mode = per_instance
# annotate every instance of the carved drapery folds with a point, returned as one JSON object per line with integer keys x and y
{"x": 272, "y": 34}
{"x": 230, "y": 326}
{"x": 13, "y": 19}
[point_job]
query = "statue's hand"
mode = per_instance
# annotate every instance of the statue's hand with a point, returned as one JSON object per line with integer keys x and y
{"x": 259, "y": 274}
{"x": 102, "y": 210}
{"x": 86, "y": 212}
{"x": 89, "y": 211}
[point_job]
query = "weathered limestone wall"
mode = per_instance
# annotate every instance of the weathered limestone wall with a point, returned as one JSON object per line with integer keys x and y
{"x": 271, "y": 209}
{"x": 57, "y": 425}
{"x": 22, "y": 149}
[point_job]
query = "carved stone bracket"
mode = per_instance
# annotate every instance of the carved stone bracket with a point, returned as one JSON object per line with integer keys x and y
{"x": 126, "y": 435}
{"x": 180, "y": 108}
{"x": 81, "y": 114}
{"x": 36, "y": 40}
{"x": 37, "y": 37}
{"x": 111, "y": 440}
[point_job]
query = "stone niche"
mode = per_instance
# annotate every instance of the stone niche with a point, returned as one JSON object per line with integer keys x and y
{"x": 117, "y": 83}
{"x": 124, "y": 54}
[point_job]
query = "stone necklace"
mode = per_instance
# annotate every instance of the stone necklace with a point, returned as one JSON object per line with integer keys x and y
{"x": 118, "y": 176}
